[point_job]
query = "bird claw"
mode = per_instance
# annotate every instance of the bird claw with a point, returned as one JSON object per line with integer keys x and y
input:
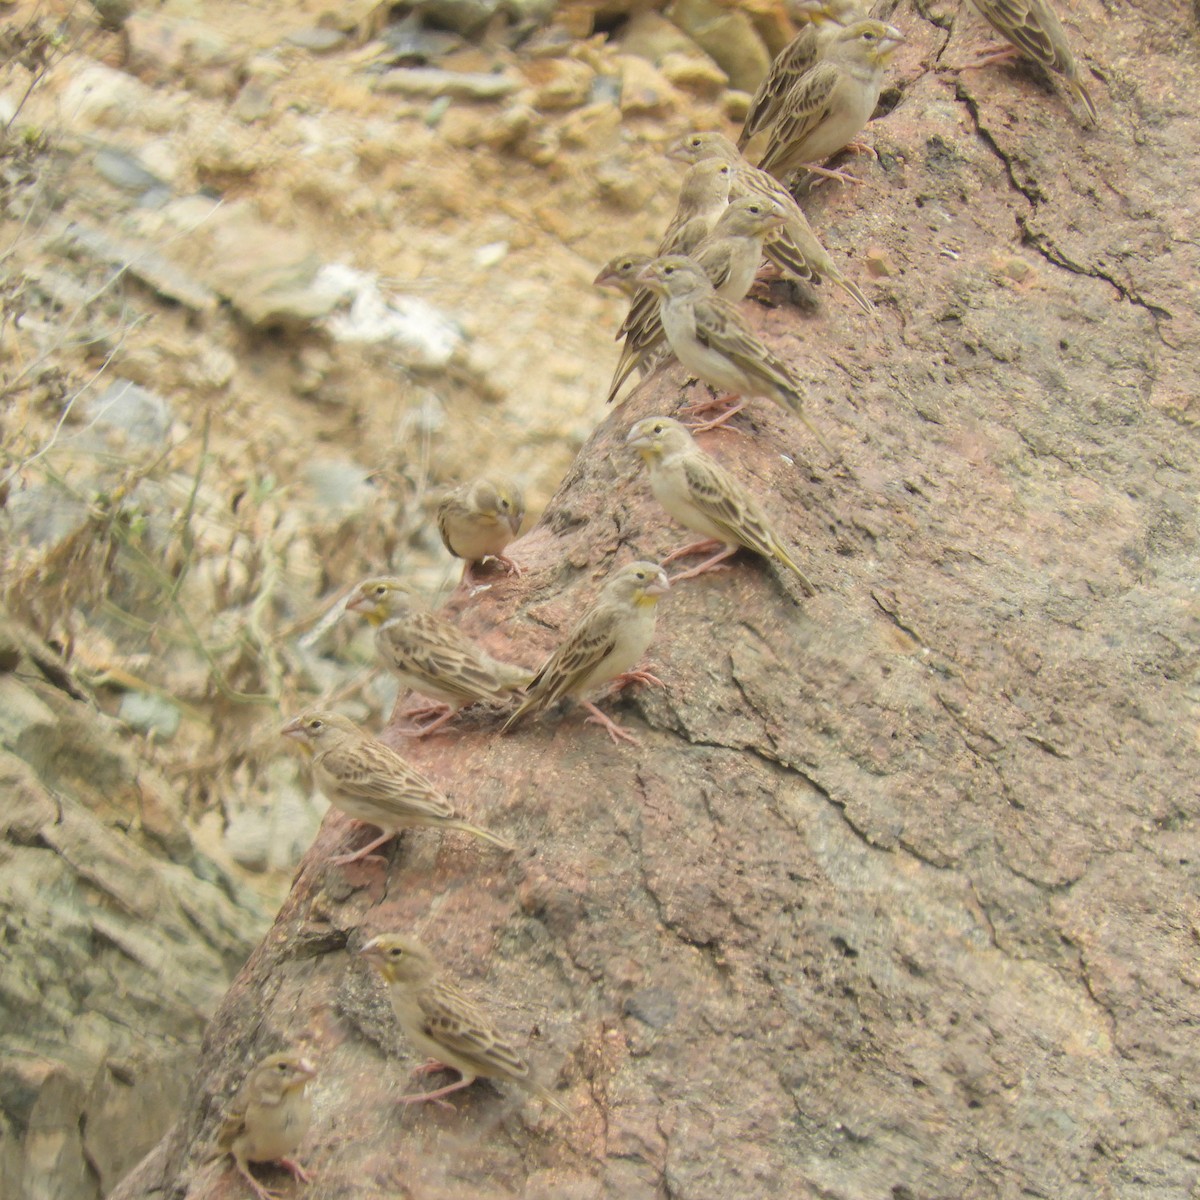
{"x": 618, "y": 733}
{"x": 296, "y": 1170}
{"x": 638, "y": 676}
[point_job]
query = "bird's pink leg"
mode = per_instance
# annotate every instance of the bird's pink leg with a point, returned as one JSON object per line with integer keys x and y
{"x": 433, "y": 726}
{"x": 637, "y": 675}
{"x": 618, "y": 733}
{"x": 998, "y": 52}
{"x": 342, "y": 859}
{"x": 257, "y": 1188}
{"x": 712, "y": 564}
{"x": 692, "y": 548}
{"x": 506, "y": 564}
{"x": 431, "y": 1066}
{"x": 435, "y": 1097}
{"x": 295, "y": 1169}
{"x": 830, "y": 173}
{"x": 719, "y": 422}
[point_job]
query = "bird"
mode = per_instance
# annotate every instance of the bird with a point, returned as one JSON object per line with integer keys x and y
{"x": 823, "y": 20}
{"x": 794, "y": 249}
{"x": 827, "y": 107}
{"x": 1032, "y": 26}
{"x": 269, "y": 1118}
{"x": 702, "y": 495}
{"x": 443, "y": 1023}
{"x": 429, "y": 655}
{"x": 477, "y": 521}
{"x": 714, "y": 343}
{"x": 620, "y": 273}
{"x": 703, "y": 196}
{"x": 730, "y": 257}
{"x": 603, "y": 647}
{"x": 370, "y": 782}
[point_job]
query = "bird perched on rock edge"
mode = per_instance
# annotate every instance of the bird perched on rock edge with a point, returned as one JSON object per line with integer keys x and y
{"x": 701, "y": 495}
{"x": 370, "y": 782}
{"x": 603, "y": 647}
{"x": 269, "y": 1118}
{"x": 443, "y": 1023}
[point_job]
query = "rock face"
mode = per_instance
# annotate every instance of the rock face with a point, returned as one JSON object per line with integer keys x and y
{"x": 896, "y": 898}
{"x": 119, "y": 938}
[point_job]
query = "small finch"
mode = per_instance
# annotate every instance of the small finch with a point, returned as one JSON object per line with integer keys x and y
{"x": 700, "y": 494}
{"x": 370, "y": 782}
{"x": 1031, "y": 26}
{"x": 620, "y": 273}
{"x": 794, "y": 248}
{"x": 443, "y": 1023}
{"x": 828, "y": 106}
{"x": 269, "y": 1118}
{"x": 478, "y": 520}
{"x": 715, "y": 344}
{"x": 429, "y": 655}
{"x": 604, "y": 647}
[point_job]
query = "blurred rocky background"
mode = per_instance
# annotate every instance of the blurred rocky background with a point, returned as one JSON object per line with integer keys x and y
{"x": 271, "y": 275}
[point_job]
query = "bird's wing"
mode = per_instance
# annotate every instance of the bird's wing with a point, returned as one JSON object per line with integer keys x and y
{"x": 372, "y": 771}
{"x": 452, "y": 1020}
{"x": 791, "y": 64}
{"x": 801, "y": 111}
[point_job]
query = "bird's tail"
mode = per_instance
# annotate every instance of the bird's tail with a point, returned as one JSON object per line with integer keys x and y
{"x": 544, "y": 1093}
{"x": 853, "y": 291}
{"x": 467, "y": 827}
{"x": 782, "y": 556}
{"x": 1084, "y": 98}
{"x": 795, "y": 402}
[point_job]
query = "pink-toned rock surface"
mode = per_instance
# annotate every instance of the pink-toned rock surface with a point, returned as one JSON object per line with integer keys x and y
{"x": 897, "y": 896}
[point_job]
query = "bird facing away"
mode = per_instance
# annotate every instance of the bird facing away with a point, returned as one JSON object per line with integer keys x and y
{"x": 701, "y": 495}
{"x": 794, "y": 248}
{"x": 1032, "y": 26}
{"x": 269, "y": 1118}
{"x": 715, "y": 344}
{"x": 370, "y": 782}
{"x": 800, "y": 55}
{"x": 604, "y": 647}
{"x": 443, "y": 1023}
{"x": 730, "y": 257}
{"x": 429, "y": 655}
{"x": 827, "y": 107}
{"x": 478, "y": 520}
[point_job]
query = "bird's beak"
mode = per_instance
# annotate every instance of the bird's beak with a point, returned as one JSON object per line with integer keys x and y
{"x": 293, "y": 729}
{"x": 603, "y": 279}
{"x": 648, "y": 276}
{"x": 514, "y": 522}
{"x": 661, "y": 586}
{"x": 371, "y": 949}
{"x": 891, "y": 39}
{"x": 360, "y": 604}
{"x": 678, "y": 150}
{"x": 306, "y": 1069}
{"x": 637, "y": 441}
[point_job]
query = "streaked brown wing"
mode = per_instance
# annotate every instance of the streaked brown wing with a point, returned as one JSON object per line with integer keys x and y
{"x": 427, "y": 647}
{"x": 723, "y": 500}
{"x": 373, "y": 771}
{"x": 458, "y": 1023}
{"x": 586, "y": 647}
{"x": 1030, "y": 26}
{"x": 793, "y": 61}
{"x": 802, "y": 110}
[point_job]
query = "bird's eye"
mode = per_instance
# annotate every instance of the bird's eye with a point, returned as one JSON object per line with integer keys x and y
{"x": 281, "y": 1066}
{"x": 396, "y": 952}
{"x": 381, "y": 591}
{"x": 658, "y": 427}
{"x": 868, "y": 36}
{"x": 316, "y": 724}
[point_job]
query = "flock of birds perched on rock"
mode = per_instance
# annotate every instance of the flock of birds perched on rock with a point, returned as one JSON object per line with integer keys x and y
{"x": 815, "y": 100}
